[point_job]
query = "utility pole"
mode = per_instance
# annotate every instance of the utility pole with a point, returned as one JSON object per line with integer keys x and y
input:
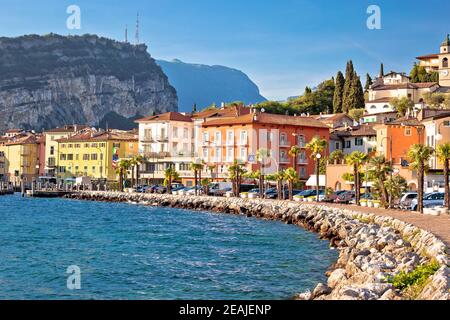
{"x": 137, "y": 29}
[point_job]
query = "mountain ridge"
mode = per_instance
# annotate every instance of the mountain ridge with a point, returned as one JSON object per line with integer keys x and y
{"x": 205, "y": 85}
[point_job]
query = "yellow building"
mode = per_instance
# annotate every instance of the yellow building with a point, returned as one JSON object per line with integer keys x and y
{"x": 20, "y": 158}
{"x": 51, "y": 146}
{"x": 94, "y": 154}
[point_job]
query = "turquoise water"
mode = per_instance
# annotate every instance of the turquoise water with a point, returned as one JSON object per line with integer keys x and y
{"x": 127, "y": 251}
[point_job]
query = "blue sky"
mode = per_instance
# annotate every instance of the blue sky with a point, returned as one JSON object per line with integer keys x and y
{"x": 282, "y": 45}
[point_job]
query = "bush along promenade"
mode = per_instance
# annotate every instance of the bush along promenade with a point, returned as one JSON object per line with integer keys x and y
{"x": 380, "y": 258}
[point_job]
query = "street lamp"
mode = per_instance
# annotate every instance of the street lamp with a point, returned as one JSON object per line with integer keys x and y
{"x": 318, "y": 157}
{"x": 391, "y": 161}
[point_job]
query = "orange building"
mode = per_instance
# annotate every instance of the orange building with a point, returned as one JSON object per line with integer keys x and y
{"x": 394, "y": 139}
{"x": 222, "y": 141}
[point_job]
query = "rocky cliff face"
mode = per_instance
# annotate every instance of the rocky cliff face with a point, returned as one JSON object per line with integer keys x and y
{"x": 48, "y": 81}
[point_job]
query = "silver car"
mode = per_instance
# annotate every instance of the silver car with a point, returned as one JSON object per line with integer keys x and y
{"x": 406, "y": 200}
{"x": 431, "y": 200}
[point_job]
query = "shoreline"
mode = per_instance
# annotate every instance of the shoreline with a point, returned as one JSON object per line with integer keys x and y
{"x": 371, "y": 248}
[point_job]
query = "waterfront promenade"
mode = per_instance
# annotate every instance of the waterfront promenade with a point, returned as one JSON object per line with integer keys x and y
{"x": 438, "y": 225}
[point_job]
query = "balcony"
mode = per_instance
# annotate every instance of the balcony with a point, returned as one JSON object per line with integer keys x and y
{"x": 162, "y": 138}
{"x": 284, "y": 144}
{"x": 302, "y": 162}
{"x": 147, "y": 139}
{"x": 156, "y": 155}
{"x": 285, "y": 160}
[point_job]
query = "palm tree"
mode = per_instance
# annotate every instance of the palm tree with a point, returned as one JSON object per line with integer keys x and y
{"x": 356, "y": 159}
{"x": 337, "y": 155}
{"x": 279, "y": 178}
{"x": 291, "y": 176}
{"x": 236, "y": 172}
{"x": 170, "y": 175}
{"x": 317, "y": 146}
{"x": 262, "y": 155}
{"x": 124, "y": 166}
{"x": 443, "y": 153}
{"x": 294, "y": 152}
{"x": 420, "y": 155}
{"x": 137, "y": 161}
{"x": 211, "y": 169}
{"x": 379, "y": 169}
{"x": 197, "y": 167}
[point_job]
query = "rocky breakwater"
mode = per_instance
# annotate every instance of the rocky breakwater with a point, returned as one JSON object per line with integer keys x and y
{"x": 372, "y": 249}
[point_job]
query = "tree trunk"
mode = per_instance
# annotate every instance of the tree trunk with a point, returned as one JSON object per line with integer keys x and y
{"x": 384, "y": 193}
{"x": 280, "y": 190}
{"x": 132, "y": 176}
{"x": 169, "y": 185}
{"x": 446, "y": 179}
{"x": 261, "y": 186}
{"x": 420, "y": 188}
{"x": 121, "y": 181}
{"x": 357, "y": 188}
{"x": 200, "y": 177}
{"x": 291, "y": 187}
{"x": 195, "y": 181}
{"x": 137, "y": 175}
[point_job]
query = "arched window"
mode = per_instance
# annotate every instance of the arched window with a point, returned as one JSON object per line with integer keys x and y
{"x": 386, "y": 106}
{"x": 373, "y": 107}
{"x": 445, "y": 63}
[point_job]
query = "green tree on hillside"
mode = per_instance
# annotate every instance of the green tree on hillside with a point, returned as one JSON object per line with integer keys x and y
{"x": 338, "y": 92}
{"x": 355, "y": 99}
{"x": 369, "y": 82}
{"x": 349, "y": 73}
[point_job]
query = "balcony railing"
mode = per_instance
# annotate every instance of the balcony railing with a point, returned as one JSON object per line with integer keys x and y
{"x": 284, "y": 143}
{"x": 162, "y": 138}
{"x": 156, "y": 155}
{"x": 148, "y": 139}
{"x": 285, "y": 160}
{"x": 302, "y": 161}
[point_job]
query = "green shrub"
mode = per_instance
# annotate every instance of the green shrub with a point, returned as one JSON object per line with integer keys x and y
{"x": 417, "y": 277}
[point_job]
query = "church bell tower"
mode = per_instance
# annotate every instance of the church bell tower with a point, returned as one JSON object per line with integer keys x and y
{"x": 444, "y": 57}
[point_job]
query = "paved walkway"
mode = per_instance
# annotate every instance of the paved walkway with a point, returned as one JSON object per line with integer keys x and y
{"x": 438, "y": 225}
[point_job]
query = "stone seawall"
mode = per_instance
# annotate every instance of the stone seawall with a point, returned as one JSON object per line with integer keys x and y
{"x": 372, "y": 248}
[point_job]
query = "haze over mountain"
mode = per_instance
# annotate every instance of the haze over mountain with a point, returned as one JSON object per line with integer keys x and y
{"x": 205, "y": 85}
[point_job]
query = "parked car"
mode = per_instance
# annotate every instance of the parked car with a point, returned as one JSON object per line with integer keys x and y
{"x": 332, "y": 197}
{"x": 152, "y": 189}
{"x": 431, "y": 200}
{"x": 142, "y": 189}
{"x": 364, "y": 196}
{"x": 247, "y": 187}
{"x": 346, "y": 197}
{"x": 191, "y": 191}
{"x": 220, "y": 192}
{"x": 406, "y": 200}
{"x": 160, "y": 190}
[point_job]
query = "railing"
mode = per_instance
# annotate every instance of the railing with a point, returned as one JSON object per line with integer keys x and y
{"x": 303, "y": 161}
{"x": 147, "y": 139}
{"x": 162, "y": 138}
{"x": 285, "y": 160}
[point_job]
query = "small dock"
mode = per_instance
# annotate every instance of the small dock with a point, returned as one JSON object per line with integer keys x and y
{"x": 6, "y": 192}
{"x": 47, "y": 193}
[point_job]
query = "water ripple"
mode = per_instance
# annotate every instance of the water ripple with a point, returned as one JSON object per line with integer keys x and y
{"x": 135, "y": 252}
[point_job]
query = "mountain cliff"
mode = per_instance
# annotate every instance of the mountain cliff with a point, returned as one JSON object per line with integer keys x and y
{"x": 52, "y": 80}
{"x": 205, "y": 85}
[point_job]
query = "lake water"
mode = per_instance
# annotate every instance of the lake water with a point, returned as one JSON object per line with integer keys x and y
{"x": 128, "y": 251}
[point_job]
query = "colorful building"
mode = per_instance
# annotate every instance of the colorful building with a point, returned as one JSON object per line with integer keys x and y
{"x": 51, "y": 146}
{"x": 20, "y": 158}
{"x": 222, "y": 141}
{"x": 166, "y": 140}
{"x": 94, "y": 154}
